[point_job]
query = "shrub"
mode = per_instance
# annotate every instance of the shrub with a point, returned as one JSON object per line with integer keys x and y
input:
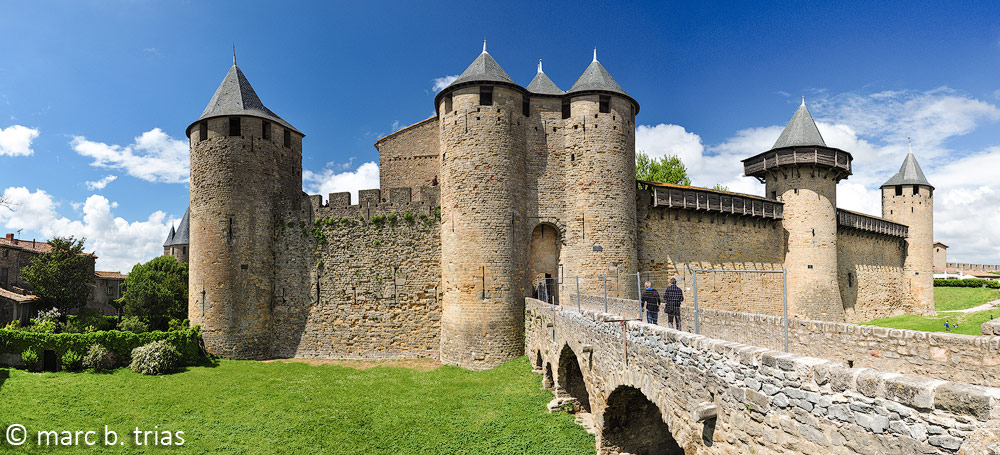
{"x": 71, "y": 361}
{"x": 319, "y": 235}
{"x": 12, "y": 325}
{"x": 408, "y": 217}
{"x": 967, "y": 283}
{"x": 52, "y": 314}
{"x": 178, "y": 324}
{"x": 98, "y": 358}
{"x": 187, "y": 342}
{"x": 37, "y": 326}
{"x": 158, "y": 357}
{"x": 133, "y": 324}
{"x": 29, "y": 357}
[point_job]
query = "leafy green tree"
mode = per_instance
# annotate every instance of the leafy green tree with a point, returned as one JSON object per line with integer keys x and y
{"x": 63, "y": 277}
{"x": 156, "y": 292}
{"x": 667, "y": 169}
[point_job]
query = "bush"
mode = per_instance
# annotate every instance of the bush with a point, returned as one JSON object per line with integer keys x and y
{"x": 133, "y": 324}
{"x": 37, "y": 326}
{"x": 71, "y": 361}
{"x": 52, "y": 314}
{"x": 98, "y": 358}
{"x": 29, "y": 357}
{"x": 967, "y": 283}
{"x": 186, "y": 341}
{"x": 89, "y": 320}
{"x": 177, "y": 324}
{"x": 158, "y": 357}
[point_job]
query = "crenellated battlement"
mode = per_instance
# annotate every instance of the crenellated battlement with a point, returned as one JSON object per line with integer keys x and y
{"x": 375, "y": 202}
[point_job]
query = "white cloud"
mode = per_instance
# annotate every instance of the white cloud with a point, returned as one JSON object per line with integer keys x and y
{"x": 441, "y": 82}
{"x": 153, "y": 156}
{"x": 119, "y": 244}
{"x": 329, "y": 180}
{"x": 15, "y": 140}
{"x": 873, "y": 127}
{"x": 100, "y": 184}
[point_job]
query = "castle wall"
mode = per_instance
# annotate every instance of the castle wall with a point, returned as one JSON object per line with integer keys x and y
{"x": 671, "y": 242}
{"x": 409, "y": 158}
{"x": 870, "y": 274}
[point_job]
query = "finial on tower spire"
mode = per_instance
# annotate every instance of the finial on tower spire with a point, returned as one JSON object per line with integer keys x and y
{"x": 803, "y": 100}
{"x": 539, "y": 65}
{"x": 234, "y": 54}
{"x": 909, "y": 144}
{"x": 595, "y": 53}
{"x": 484, "y": 46}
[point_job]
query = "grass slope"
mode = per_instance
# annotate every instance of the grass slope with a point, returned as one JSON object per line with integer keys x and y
{"x": 948, "y": 299}
{"x": 253, "y": 407}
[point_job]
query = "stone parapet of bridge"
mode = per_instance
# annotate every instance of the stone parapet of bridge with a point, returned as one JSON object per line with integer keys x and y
{"x": 657, "y": 390}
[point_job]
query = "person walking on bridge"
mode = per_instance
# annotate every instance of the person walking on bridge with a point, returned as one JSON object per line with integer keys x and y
{"x": 651, "y": 301}
{"x": 672, "y": 297}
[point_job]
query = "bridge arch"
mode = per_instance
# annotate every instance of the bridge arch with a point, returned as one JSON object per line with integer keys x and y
{"x": 571, "y": 378}
{"x": 634, "y": 424}
{"x": 547, "y": 381}
{"x": 538, "y": 359}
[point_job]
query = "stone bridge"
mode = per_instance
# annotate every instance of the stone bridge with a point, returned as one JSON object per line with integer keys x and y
{"x": 655, "y": 390}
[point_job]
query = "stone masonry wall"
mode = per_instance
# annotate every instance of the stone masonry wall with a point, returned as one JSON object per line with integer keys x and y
{"x": 409, "y": 158}
{"x": 374, "y": 278}
{"x": 870, "y": 274}
{"x": 766, "y": 402}
{"x": 671, "y": 242}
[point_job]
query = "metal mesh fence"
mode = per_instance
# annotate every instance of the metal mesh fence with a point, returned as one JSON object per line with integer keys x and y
{"x": 715, "y": 302}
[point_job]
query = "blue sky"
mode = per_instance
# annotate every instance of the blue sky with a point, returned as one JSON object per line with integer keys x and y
{"x": 101, "y": 92}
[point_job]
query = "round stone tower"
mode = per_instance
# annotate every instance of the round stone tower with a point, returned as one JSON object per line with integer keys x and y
{"x": 600, "y": 189}
{"x": 802, "y": 172}
{"x": 246, "y": 167}
{"x": 484, "y": 248}
{"x": 908, "y": 198}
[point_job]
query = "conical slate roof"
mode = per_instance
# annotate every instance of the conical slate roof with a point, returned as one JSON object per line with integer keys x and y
{"x": 542, "y": 85}
{"x": 235, "y": 96}
{"x": 909, "y": 173}
{"x": 595, "y": 77}
{"x": 170, "y": 237}
{"x": 183, "y": 234}
{"x": 483, "y": 69}
{"x": 800, "y": 131}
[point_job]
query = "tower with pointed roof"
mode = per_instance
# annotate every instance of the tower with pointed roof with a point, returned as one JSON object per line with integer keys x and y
{"x": 179, "y": 240}
{"x": 246, "y": 173}
{"x": 802, "y": 172}
{"x": 908, "y": 198}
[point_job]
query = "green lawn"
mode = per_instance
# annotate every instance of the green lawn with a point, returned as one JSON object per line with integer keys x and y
{"x": 946, "y": 298}
{"x": 255, "y": 407}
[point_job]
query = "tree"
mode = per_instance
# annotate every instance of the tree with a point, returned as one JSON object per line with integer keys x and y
{"x": 667, "y": 169}
{"x": 156, "y": 292}
{"x": 63, "y": 277}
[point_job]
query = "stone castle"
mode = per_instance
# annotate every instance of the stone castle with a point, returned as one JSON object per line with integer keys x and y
{"x": 504, "y": 185}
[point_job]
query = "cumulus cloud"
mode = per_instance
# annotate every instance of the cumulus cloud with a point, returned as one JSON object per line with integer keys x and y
{"x": 334, "y": 179}
{"x": 153, "y": 156}
{"x": 15, "y": 140}
{"x": 873, "y": 127}
{"x": 118, "y": 243}
{"x": 439, "y": 83}
{"x": 100, "y": 184}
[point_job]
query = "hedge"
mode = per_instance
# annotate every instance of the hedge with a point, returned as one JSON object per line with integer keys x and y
{"x": 967, "y": 283}
{"x": 186, "y": 341}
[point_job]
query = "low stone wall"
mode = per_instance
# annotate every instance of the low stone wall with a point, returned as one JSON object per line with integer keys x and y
{"x": 764, "y": 401}
{"x": 964, "y": 358}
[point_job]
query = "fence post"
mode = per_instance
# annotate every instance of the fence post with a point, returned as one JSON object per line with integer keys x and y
{"x": 578, "y": 306}
{"x": 605, "y": 277}
{"x": 638, "y": 292}
{"x": 784, "y": 302}
{"x": 694, "y": 292}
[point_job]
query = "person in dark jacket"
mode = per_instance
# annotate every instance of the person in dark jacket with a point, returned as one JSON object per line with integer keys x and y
{"x": 651, "y": 301}
{"x": 672, "y": 297}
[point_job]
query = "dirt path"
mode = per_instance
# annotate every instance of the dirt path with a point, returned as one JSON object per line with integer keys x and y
{"x": 983, "y": 307}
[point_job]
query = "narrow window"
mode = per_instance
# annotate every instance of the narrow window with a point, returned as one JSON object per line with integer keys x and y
{"x": 572, "y": 157}
{"x": 525, "y": 106}
{"x": 203, "y": 131}
{"x": 899, "y": 190}
{"x": 774, "y": 195}
{"x": 850, "y": 280}
{"x": 605, "y": 106}
{"x": 916, "y": 190}
{"x": 486, "y": 95}
{"x": 3, "y": 276}
{"x": 448, "y": 107}
{"x": 288, "y": 138}
{"x": 266, "y": 130}
{"x": 565, "y": 109}
{"x": 184, "y": 250}
{"x": 109, "y": 290}
{"x": 234, "y": 126}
